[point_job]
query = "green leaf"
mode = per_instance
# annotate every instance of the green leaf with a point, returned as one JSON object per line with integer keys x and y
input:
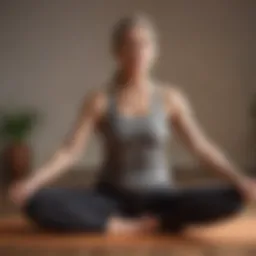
{"x": 18, "y": 125}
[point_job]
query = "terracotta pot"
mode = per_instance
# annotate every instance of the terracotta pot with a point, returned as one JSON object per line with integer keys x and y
{"x": 17, "y": 158}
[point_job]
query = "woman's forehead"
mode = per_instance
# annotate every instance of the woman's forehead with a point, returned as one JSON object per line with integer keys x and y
{"x": 139, "y": 31}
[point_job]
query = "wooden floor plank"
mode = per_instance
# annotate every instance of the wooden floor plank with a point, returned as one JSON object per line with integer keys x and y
{"x": 240, "y": 232}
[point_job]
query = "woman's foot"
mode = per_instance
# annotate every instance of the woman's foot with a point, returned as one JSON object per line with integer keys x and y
{"x": 122, "y": 226}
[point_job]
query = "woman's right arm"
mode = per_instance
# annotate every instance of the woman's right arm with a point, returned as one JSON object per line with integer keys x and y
{"x": 90, "y": 113}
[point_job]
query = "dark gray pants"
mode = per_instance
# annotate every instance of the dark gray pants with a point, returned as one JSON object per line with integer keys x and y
{"x": 89, "y": 209}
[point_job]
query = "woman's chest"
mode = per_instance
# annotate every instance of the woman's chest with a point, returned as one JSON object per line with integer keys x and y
{"x": 150, "y": 130}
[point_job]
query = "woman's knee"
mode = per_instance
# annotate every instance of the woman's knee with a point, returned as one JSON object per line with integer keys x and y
{"x": 235, "y": 198}
{"x": 42, "y": 201}
{"x": 229, "y": 201}
{"x": 212, "y": 204}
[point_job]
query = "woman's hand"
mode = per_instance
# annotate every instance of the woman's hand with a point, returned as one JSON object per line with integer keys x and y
{"x": 20, "y": 192}
{"x": 247, "y": 188}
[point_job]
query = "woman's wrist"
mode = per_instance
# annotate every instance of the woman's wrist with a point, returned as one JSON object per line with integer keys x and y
{"x": 238, "y": 179}
{"x": 31, "y": 185}
{"x": 242, "y": 182}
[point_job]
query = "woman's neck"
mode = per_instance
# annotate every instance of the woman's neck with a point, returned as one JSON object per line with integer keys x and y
{"x": 136, "y": 81}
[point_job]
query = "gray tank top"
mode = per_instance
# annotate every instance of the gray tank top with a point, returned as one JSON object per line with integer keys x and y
{"x": 134, "y": 147}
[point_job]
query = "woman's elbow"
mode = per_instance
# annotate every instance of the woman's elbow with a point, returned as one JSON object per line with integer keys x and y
{"x": 67, "y": 156}
{"x": 200, "y": 148}
{"x": 74, "y": 154}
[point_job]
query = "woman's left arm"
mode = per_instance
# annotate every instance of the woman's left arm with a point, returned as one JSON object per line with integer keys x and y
{"x": 185, "y": 125}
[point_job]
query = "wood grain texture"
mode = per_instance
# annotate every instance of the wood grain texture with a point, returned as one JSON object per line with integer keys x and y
{"x": 234, "y": 237}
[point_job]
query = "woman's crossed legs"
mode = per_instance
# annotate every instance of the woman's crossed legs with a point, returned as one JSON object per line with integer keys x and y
{"x": 108, "y": 209}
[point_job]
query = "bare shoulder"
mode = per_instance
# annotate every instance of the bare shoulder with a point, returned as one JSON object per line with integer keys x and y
{"x": 95, "y": 102}
{"x": 174, "y": 99}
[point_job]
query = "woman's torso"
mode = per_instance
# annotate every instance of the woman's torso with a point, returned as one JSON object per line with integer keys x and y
{"x": 134, "y": 146}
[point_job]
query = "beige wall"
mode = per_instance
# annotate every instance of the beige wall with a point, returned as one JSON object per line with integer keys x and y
{"x": 53, "y": 52}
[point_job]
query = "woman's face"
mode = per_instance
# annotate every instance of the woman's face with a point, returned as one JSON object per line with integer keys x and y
{"x": 137, "y": 52}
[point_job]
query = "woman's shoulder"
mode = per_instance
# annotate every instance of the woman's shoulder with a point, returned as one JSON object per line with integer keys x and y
{"x": 173, "y": 97}
{"x": 168, "y": 90}
{"x": 95, "y": 100}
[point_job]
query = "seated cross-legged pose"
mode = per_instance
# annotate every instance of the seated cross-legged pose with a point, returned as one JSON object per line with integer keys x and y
{"x": 134, "y": 116}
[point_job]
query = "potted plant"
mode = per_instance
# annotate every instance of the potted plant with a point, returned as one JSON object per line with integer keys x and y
{"x": 15, "y": 129}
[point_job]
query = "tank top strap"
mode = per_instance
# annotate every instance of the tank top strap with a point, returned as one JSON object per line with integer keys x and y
{"x": 157, "y": 100}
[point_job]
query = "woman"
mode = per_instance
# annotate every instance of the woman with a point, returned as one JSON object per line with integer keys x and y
{"x": 134, "y": 193}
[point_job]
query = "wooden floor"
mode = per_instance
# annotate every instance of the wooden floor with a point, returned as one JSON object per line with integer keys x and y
{"x": 232, "y": 238}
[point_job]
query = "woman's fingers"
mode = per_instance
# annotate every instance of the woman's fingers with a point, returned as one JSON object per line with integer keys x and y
{"x": 19, "y": 193}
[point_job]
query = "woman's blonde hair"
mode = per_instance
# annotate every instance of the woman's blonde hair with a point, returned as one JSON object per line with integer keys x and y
{"x": 127, "y": 23}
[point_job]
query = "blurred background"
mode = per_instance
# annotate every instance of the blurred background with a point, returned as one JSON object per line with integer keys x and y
{"x": 54, "y": 52}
